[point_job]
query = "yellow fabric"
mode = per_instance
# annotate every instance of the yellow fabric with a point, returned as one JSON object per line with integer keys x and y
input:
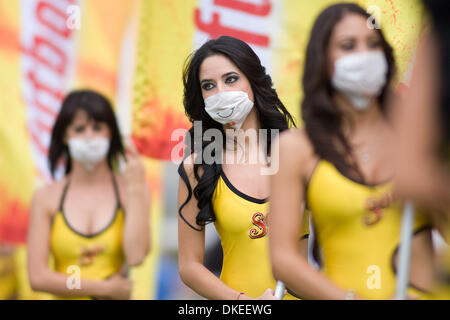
{"x": 442, "y": 292}
{"x": 24, "y": 291}
{"x": 356, "y": 248}
{"x": 98, "y": 256}
{"x": 246, "y": 262}
{"x": 8, "y": 277}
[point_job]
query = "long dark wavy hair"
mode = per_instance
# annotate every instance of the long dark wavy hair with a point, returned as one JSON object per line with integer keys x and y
{"x": 99, "y": 109}
{"x": 322, "y": 118}
{"x": 440, "y": 16}
{"x": 271, "y": 112}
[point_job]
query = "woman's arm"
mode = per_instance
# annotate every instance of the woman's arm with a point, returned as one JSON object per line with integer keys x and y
{"x": 46, "y": 280}
{"x": 304, "y": 240}
{"x": 419, "y": 175}
{"x": 136, "y": 235}
{"x": 191, "y": 245}
{"x": 287, "y": 190}
{"x": 422, "y": 267}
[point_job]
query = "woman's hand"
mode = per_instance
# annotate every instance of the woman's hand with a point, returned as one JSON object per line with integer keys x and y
{"x": 136, "y": 203}
{"x": 269, "y": 294}
{"x": 134, "y": 172}
{"x": 117, "y": 287}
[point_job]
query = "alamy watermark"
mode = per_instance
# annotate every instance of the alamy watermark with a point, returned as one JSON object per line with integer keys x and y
{"x": 374, "y": 21}
{"x": 374, "y": 280}
{"x": 74, "y": 17}
{"x": 249, "y": 146}
{"x": 74, "y": 280}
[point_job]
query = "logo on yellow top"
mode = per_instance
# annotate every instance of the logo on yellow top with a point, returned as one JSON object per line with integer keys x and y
{"x": 260, "y": 223}
{"x": 374, "y": 207}
{"x": 88, "y": 254}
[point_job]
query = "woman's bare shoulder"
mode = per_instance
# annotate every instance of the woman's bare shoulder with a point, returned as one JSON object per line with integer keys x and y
{"x": 296, "y": 154}
{"x": 188, "y": 165}
{"x": 296, "y": 142}
{"x": 48, "y": 196}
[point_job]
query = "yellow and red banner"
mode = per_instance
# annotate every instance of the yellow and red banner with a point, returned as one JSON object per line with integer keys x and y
{"x": 278, "y": 31}
{"x": 133, "y": 51}
{"x": 44, "y": 53}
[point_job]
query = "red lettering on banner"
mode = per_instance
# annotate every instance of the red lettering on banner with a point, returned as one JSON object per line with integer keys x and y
{"x": 47, "y": 55}
{"x": 43, "y": 127}
{"x": 64, "y": 31}
{"x": 215, "y": 29}
{"x": 42, "y": 107}
{"x": 35, "y": 138}
{"x": 39, "y": 41}
{"x": 261, "y": 10}
{"x": 39, "y": 86}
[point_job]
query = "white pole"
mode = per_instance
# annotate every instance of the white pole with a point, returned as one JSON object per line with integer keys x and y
{"x": 405, "y": 250}
{"x": 279, "y": 290}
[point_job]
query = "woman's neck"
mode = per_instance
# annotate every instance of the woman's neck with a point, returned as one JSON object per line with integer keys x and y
{"x": 247, "y": 138}
{"x": 251, "y": 122}
{"x": 80, "y": 174}
{"x": 359, "y": 121}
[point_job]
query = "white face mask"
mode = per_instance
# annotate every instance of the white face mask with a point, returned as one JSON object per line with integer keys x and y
{"x": 360, "y": 77}
{"x": 88, "y": 152}
{"x": 229, "y": 107}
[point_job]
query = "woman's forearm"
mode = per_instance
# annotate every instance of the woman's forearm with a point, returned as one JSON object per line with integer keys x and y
{"x": 136, "y": 239}
{"x": 436, "y": 188}
{"x": 307, "y": 282}
{"x": 68, "y": 286}
{"x": 205, "y": 283}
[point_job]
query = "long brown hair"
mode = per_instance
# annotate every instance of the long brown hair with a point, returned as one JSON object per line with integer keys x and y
{"x": 439, "y": 12}
{"x": 323, "y": 119}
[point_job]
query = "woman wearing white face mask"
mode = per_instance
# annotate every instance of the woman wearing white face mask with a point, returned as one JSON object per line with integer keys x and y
{"x": 226, "y": 87}
{"x": 93, "y": 221}
{"x": 341, "y": 166}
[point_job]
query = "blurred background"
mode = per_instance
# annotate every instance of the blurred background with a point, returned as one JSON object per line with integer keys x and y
{"x": 133, "y": 52}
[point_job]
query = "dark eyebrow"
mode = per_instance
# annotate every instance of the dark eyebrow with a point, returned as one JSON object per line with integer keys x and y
{"x": 374, "y": 36}
{"x": 345, "y": 38}
{"x": 223, "y": 76}
{"x": 229, "y": 74}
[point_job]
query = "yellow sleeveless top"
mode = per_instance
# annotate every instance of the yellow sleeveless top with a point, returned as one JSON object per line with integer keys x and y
{"x": 358, "y": 230}
{"x": 96, "y": 256}
{"x": 442, "y": 292}
{"x": 241, "y": 222}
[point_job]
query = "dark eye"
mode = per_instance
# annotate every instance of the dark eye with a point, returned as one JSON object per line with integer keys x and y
{"x": 231, "y": 79}
{"x": 347, "y": 46}
{"x": 207, "y": 86}
{"x": 79, "y": 129}
{"x": 374, "y": 43}
{"x": 97, "y": 127}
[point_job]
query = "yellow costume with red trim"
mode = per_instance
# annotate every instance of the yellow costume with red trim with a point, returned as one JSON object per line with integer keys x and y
{"x": 241, "y": 222}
